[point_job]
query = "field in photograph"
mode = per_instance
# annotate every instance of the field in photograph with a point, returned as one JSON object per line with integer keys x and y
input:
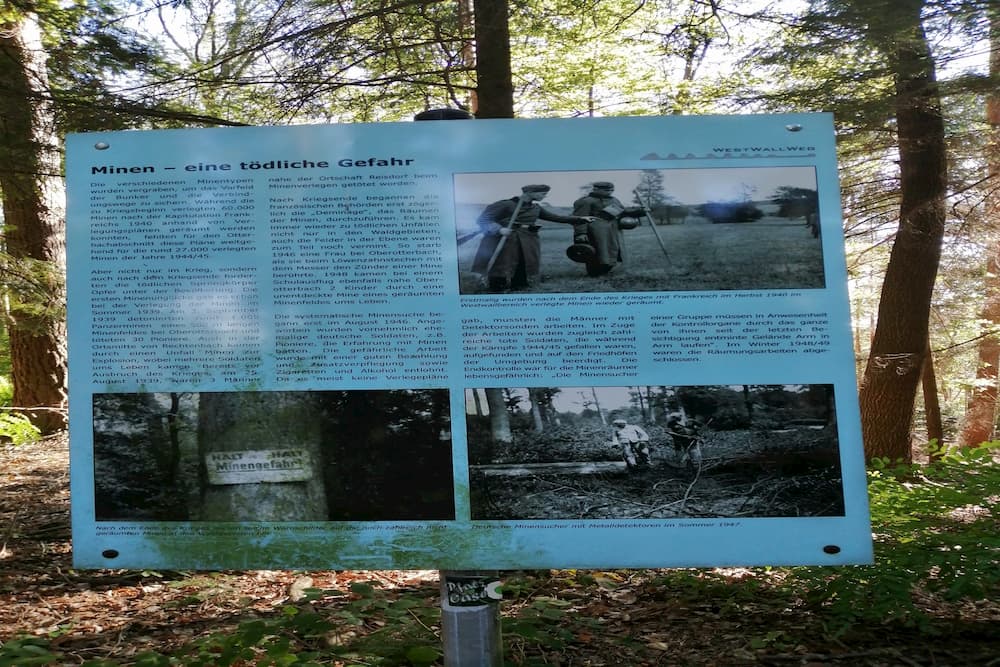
{"x": 768, "y": 254}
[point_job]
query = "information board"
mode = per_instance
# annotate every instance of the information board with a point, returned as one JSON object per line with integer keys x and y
{"x": 613, "y": 342}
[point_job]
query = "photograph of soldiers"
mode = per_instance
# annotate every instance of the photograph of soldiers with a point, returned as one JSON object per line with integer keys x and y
{"x": 686, "y": 437}
{"x": 509, "y": 254}
{"x": 639, "y": 230}
{"x": 598, "y": 244}
{"x": 647, "y": 452}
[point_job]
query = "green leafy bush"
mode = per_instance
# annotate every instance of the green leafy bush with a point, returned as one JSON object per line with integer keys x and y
{"x": 936, "y": 532}
{"x": 6, "y": 391}
{"x": 26, "y": 652}
{"x": 14, "y": 426}
{"x": 17, "y": 429}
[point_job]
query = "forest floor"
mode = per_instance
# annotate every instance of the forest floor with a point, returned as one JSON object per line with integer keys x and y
{"x": 744, "y": 473}
{"x": 640, "y": 617}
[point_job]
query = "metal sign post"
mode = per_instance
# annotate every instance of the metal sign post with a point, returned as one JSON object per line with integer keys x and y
{"x": 470, "y": 618}
{"x": 470, "y": 599}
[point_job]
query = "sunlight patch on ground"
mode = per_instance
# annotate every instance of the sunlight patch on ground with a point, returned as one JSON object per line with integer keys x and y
{"x": 969, "y": 513}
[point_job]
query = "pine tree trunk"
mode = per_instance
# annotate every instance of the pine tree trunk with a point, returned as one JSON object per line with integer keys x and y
{"x": 536, "y": 411}
{"x": 238, "y": 422}
{"x": 34, "y": 225}
{"x": 979, "y": 422}
{"x": 892, "y": 374}
{"x": 494, "y": 83}
{"x": 932, "y": 406}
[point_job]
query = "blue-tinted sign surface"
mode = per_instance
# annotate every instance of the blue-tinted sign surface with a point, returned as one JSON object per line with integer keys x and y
{"x": 617, "y": 342}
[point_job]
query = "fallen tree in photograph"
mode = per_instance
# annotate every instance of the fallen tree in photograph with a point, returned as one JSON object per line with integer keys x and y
{"x": 566, "y": 468}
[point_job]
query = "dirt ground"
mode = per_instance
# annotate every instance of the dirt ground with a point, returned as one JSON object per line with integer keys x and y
{"x": 638, "y": 619}
{"x": 743, "y": 473}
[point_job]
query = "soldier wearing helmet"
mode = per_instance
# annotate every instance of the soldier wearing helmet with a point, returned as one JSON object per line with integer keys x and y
{"x": 598, "y": 243}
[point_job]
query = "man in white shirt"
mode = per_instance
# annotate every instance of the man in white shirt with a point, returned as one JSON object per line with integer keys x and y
{"x": 634, "y": 443}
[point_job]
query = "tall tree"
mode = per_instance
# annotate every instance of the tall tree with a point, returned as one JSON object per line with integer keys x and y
{"x": 499, "y": 419}
{"x": 494, "y": 85}
{"x": 871, "y": 62}
{"x": 979, "y": 424}
{"x": 537, "y": 420}
{"x": 892, "y": 375}
{"x": 650, "y": 193}
{"x": 34, "y": 222}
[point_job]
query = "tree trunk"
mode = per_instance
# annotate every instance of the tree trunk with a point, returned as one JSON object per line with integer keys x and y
{"x": 494, "y": 83}
{"x": 932, "y": 406}
{"x": 536, "y": 411}
{"x": 748, "y": 403}
{"x": 889, "y": 386}
{"x": 477, "y": 402}
{"x": 980, "y": 416}
{"x": 597, "y": 406}
{"x": 563, "y": 468}
{"x": 499, "y": 421}
{"x": 34, "y": 225}
{"x": 642, "y": 404}
{"x": 233, "y": 424}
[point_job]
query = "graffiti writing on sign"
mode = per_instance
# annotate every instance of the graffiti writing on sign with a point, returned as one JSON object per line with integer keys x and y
{"x": 472, "y": 592}
{"x": 259, "y": 465}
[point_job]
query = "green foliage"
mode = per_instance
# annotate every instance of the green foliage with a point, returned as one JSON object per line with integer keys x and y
{"x": 17, "y": 429}
{"x": 14, "y": 426}
{"x": 540, "y": 622}
{"x": 6, "y": 391}
{"x": 935, "y": 533}
{"x": 326, "y": 623}
{"x": 34, "y": 292}
{"x": 26, "y": 652}
{"x": 6, "y": 388}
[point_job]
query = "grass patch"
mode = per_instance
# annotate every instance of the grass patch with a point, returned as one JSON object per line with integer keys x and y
{"x": 771, "y": 253}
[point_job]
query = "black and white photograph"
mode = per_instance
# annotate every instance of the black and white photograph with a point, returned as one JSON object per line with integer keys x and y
{"x": 653, "y": 452}
{"x": 747, "y": 228}
{"x": 274, "y": 456}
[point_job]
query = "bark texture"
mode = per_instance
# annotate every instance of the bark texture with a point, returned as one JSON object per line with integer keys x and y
{"x": 499, "y": 420}
{"x": 894, "y": 366}
{"x": 932, "y": 404}
{"x": 246, "y": 421}
{"x": 34, "y": 225}
{"x": 494, "y": 83}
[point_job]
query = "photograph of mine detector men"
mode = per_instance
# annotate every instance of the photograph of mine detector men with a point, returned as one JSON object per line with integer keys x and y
{"x": 653, "y": 452}
{"x": 745, "y": 228}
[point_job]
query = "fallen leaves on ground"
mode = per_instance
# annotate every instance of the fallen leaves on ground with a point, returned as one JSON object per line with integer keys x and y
{"x": 631, "y": 618}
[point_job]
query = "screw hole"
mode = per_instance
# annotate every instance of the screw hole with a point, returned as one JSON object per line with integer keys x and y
{"x": 102, "y": 146}
{"x": 794, "y": 127}
{"x": 110, "y": 553}
{"x": 831, "y": 549}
